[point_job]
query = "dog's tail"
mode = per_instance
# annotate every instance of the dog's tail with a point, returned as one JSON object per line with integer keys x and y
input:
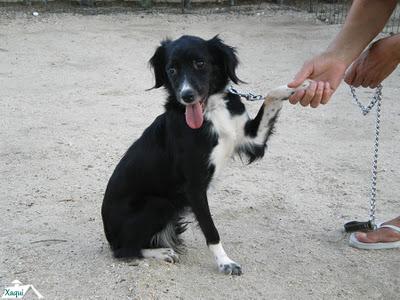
{"x": 169, "y": 236}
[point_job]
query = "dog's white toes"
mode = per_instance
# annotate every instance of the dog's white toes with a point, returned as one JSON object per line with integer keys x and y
{"x": 280, "y": 93}
{"x": 284, "y": 92}
{"x": 306, "y": 83}
{"x": 231, "y": 269}
{"x": 165, "y": 254}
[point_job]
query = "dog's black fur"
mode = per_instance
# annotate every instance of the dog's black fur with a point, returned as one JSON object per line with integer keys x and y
{"x": 168, "y": 169}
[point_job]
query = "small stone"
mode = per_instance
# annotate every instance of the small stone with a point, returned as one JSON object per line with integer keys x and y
{"x": 133, "y": 263}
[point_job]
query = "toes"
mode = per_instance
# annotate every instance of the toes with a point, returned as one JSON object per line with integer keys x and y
{"x": 283, "y": 92}
{"x": 236, "y": 270}
{"x": 362, "y": 237}
{"x": 279, "y": 94}
{"x": 381, "y": 235}
{"x": 170, "y": 256}
{"x": 169, "y": 259}
{"x": 164, "y": 254}
{"x": 175, "y": 258}
{"x": 306, "y": 83}
{"x": 231, "y": 269}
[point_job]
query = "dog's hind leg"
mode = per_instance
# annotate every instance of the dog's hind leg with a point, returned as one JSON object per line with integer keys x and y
{"x": 165, "y": 254}
{"x": 137, "y": 231}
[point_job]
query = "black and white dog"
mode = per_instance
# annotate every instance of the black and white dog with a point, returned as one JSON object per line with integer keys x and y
{"x": 167, "y": 171}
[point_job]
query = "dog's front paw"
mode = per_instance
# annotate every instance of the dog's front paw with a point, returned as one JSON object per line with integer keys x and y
{"x": 230, "y": 268}
{"x": 306, "y": 83}
{"x": 279, "y": 94}
{"x": 284, "y": 92}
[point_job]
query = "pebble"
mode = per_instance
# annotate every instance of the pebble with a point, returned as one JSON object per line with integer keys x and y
{"x": 133, "y": 263}
{"x": 35, "y": 13}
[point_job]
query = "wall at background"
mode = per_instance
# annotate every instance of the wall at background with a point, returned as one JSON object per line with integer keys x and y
{"x": 328, "y": 11}
{"x": 100, "y": 1}
{"x": 335, "y": 12}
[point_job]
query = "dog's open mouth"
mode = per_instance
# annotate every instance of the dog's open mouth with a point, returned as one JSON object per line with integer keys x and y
{"x": 195, "y": 114}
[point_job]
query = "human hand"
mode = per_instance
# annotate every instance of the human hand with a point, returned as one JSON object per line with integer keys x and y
{"x": 375, "y": 64}
{"x": 326, "y": 71}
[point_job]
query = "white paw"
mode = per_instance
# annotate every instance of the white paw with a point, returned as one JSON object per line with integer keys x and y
{"x": 224, "y": 263}
{"x": 165, "y": 254}
{"x": 280, "y": 93}
{"x": 230, "y": 268}
{"x": 284, "y": 92}
{"x": 306, "y": 83}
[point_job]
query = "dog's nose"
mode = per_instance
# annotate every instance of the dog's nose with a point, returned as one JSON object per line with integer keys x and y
{"x": 187, "y": 96}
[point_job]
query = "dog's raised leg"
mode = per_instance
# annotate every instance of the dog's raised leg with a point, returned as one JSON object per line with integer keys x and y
{"x": 258, "y": 130}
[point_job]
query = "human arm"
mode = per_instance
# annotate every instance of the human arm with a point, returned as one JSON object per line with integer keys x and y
{"x": 365, "y": 20}
{"x": 376, "y": 63}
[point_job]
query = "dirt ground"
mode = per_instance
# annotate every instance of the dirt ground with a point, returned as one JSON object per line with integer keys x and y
{"x": 72, "y": 90}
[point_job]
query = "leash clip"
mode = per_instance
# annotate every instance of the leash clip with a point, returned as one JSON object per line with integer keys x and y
{"x": 359, "y": 226}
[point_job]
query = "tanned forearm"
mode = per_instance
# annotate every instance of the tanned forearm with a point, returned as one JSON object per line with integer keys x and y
{"x": 363, "y": 23}
{"x": 395, "y": 42}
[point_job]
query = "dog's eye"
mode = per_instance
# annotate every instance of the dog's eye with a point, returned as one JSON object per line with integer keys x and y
{"x": 172, "y": 71}
{"x": 198, "y": 64}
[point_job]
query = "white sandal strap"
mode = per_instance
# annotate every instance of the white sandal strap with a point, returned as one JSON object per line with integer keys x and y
{"x": 394, "y": 228}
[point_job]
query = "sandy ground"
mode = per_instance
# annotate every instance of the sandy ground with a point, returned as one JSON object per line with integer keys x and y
{"x": 73, "y": 98}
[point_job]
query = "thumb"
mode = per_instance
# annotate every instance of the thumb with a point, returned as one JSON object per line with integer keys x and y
{"x": 302, "y": 75}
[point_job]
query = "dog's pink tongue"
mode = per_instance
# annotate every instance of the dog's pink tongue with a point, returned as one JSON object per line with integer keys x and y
{"x": 194, "y": 115}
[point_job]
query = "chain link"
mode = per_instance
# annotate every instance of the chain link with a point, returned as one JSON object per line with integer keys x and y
{"x": 376, "y": 100}
{"x": 248, "y": 96}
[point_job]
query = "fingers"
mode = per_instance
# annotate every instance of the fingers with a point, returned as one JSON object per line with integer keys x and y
{"x": 356, "y": 77}
{"x": 366, "y": 83}
{"x": 374, "y": 84}
{"x": 309, "y": 95}
{"x": 371, "y": 83}
{"x": 296, "y": 96}
{"x": 302, "y": 75}
{"x": 317, "y": 93}
{"x": 327, "y": 93}
{"x": 357, "y": 80}
{"x": 316, "y": 100}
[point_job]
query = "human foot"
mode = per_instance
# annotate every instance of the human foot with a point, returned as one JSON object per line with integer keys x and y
{"x": 386, "y": 236}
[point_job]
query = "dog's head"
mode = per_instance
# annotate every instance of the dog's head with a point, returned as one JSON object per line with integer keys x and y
{"x": 192, "y": 69}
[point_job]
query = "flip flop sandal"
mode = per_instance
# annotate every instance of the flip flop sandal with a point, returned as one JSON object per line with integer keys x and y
{"x": 375, "y": 246}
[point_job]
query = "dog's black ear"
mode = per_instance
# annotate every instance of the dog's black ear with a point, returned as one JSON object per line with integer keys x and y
{"x": 226, "y": 55}
{"x": 157, "y": 62}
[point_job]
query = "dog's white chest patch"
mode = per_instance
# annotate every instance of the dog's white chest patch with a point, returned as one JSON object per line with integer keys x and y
{"x": 224, "y": 127}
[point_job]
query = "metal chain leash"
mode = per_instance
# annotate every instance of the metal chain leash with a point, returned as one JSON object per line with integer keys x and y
{"x": 376, "y": 100}
{"x": 248, "y": 96}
